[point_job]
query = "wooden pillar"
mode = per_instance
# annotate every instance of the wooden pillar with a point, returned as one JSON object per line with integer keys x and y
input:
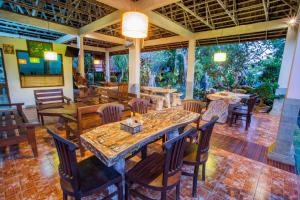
{"x": 107, "y": 66}
{"x": 283, "y": 151}
{"x": 134, "y": 68}
{"x": 81, "y": 55}
{"x": 190, "y": 70}
{"x": 287, "y": 59}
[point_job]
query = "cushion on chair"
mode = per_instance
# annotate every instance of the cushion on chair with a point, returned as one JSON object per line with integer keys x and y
{"x": 190, "y": 153}
{"x": 94, "y": 174}
{"x": 150, "y": 172}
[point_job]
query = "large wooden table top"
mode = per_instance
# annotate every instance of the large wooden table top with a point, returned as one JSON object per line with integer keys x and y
{"x": 109, "y": 143}
{"x": 159, "y": 89}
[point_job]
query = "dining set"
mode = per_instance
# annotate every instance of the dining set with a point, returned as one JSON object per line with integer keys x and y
{"x": 177, "y": 130}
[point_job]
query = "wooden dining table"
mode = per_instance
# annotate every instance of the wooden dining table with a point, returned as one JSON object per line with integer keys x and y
{"x": 159, "y": 90}
{"x": 111, "y": 144}
{"x": 220, "y": 103}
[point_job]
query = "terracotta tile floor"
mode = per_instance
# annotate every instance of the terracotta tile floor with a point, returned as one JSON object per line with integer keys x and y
{"x": 229, "y": 175}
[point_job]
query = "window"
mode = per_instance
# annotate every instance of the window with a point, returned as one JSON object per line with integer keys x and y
{"x": 38, "y": 66}
{"x": 38, "y": 72}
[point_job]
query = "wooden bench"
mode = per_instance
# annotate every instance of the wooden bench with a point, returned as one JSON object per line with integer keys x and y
{"x": 15, "y": 128}
{"x": 49, "y": 98}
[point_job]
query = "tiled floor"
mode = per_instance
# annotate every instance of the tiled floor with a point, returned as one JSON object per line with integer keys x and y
{"x": 229, "y": 175}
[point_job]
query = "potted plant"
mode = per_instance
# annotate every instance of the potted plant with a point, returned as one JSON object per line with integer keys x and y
{"x": 266, "y": 93}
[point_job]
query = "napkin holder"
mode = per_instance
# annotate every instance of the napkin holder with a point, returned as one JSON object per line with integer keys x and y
{"x": 133, "y": 127}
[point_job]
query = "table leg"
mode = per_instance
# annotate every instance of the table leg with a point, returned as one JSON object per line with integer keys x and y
{"x": 120, "y": 167}
{"x": 168, "y": 100}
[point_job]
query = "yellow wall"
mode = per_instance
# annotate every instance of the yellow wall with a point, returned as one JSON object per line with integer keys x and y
{"x": 25, "y": 95}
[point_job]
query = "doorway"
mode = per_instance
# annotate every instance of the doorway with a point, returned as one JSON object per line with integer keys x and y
{"x": 4, "y": 93}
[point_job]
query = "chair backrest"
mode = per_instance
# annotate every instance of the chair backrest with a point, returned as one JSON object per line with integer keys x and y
{"x": 68, "y": 170}
{"x": 251, "y": 103}
{"x": 84, "y": 111}
{"x": 49, "y": 96}
{"x": 205, "y": 135}
{"x": 139, "y": 105}
{"x": 173, "y": 151}
{"x": 111, "y": 112}
{"x": 123, "y": 88}
{"x": 193, "y": 106}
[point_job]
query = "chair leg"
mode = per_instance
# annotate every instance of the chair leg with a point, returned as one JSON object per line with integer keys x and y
{"x": 203, "y": 171}
{"x": 127, "y": 194}
{"x": 248, "y": 120}
{"x": 163, "y": 195}
{"x": 42, "y": 120}
{"x": 231, "y": 119}
{"x": 195, "y": 181}
{"x": 32, "y": 141}
{"x": 178, "y": 191}
{"x": 144, "y": 152}
{"x": 120, "y": 191}
{"x": 65, "y": 196}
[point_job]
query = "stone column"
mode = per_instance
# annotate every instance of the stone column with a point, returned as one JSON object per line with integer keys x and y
{"x": 81, "y": 55}
{"x": 287, "y": 59}
{"x": 285, "y": 70}
{"x": 134, "y": 68}
{"x": 283, "y": 151}
{"x": 107, "y": 67}
{"x": 190, "y": 70}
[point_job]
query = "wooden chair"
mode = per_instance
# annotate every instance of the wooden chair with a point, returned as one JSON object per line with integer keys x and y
{"x": 86, "y": 118}
{"x": 80, "y": 179}
{"x": 239, "y": 113}
{"x": 15, "y": 127}
{"x": 194, "y": 106}
{"x": 197, "y": 154}
{"x": 159, "y": 172}
{"x": 50, "y": 98}
{"x": 111, "y": 112}
{"x": 138, "y": 105}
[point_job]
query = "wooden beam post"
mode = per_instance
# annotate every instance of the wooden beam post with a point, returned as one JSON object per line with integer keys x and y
{"x": 107, "y": 66}
{"x": 81, "y": 55}
{"x": 190, "y": 70}
{"x": 134, "y": 68}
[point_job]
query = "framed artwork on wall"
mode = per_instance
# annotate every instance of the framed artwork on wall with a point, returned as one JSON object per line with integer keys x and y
{"x": 8, "y": 49}
{"x": 36, "y": 49}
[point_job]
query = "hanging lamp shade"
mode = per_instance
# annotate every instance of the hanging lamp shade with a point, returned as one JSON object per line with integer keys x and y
{"x": 135, "y": 25}
{"x": 50, "y": 55}
{"x": 220, "y": 57}
{"x": 97, "y": 62}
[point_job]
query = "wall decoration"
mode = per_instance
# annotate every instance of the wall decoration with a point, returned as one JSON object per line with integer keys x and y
{"x": 8, "y": 49}
{"x": 37, "y": 49}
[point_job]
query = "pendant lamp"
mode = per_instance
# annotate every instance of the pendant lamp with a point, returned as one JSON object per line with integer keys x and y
{"x": 135, "y": 25}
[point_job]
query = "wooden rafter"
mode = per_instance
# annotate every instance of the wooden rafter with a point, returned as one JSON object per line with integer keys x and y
{"x": 205, "y": 21}
{"x": 233, "y": 18}
{"x": 266, "y": 4}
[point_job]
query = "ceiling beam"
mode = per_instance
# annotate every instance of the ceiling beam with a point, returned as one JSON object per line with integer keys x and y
{"x": 238, "y": 30}
{"x": 243, "y": 29}
{"x": 124, "y": 5}
{"x": 167, "y": 40}
{"x": 106, "y": 38}
{"x": 266, "y": 4}
{"x": 147, "y": 5}
{"x": 165, "y": 23}
{"x": 90, "y": 48}
{"x": 195, "y": 15}
{"x": 24, "y": 37}
{"x": 103, "y": 22}
{"x": 228, "y": 12}
{"x": 31, "y": 21}
{"x": 65, "y": 38}
{"x": 289, "y": 5}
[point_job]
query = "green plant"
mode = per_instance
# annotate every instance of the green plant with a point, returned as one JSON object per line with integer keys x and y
{"x": 266, "y": 93}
